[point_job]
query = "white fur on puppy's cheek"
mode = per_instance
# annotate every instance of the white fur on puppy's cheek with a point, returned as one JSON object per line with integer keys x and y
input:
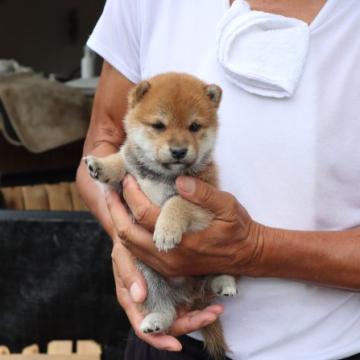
{"x": 139, "y": 137}
{"x": 191, "y": 154}
{"x": 164, "y": 154}
{"x": 207, "y": 144}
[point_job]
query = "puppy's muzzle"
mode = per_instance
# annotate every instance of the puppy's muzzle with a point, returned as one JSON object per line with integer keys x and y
{"x": 178, "y": 153}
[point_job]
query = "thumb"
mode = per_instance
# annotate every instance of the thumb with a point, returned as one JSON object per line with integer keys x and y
{"x": 127, "y": 273}
{"x": 205, "y": 195}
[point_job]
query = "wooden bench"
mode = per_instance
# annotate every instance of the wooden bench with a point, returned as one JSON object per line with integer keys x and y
{"x": 56, "y": 350}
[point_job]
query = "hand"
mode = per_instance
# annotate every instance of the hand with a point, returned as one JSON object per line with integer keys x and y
{"x": 131, "y": 291}
{"x": 231, "y": 244}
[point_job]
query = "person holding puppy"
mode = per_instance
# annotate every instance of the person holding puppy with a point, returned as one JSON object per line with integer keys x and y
{"x": 288, "y": 219}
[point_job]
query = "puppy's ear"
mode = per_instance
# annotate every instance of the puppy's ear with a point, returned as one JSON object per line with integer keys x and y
{"x": 214, "y": 93}
{"x": 138, "y": 92}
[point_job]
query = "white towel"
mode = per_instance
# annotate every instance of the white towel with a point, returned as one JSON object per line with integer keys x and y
{"x": 10, "y": 67}
{"x": 262, "y": 53}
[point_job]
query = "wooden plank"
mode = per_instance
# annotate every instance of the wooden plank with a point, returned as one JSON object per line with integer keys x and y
{"x": 4, "y": 350}
{"x": 59, "y": 197}
{"x": 31, "y": 349}
{"x": 62, "y": 347}
{"x": 35, "y": 197}
{"x": 88, "y": 347}
{"x": 13, "y": 198}
{"x": 77, "y": 202}
{"x": 49, "y": 357}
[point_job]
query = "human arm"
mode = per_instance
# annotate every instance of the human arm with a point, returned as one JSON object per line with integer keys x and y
{"x": 104, "y": 137}
{"x": 235, "y": 244}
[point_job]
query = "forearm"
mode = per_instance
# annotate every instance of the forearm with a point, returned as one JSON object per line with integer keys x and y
{"x": 92, "y": 192}
{"x": 328, "y": 258}
{"x": 104, "y": 137}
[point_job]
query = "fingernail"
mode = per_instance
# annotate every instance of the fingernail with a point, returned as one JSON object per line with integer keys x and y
{"x": 186, "y": 184}
{"x": 135, "y": 292}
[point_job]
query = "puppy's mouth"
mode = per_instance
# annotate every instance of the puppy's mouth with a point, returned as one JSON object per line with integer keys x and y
{"x": 178, "y": 164}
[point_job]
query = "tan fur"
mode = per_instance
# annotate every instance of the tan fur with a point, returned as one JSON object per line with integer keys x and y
{"x": 214, "y": 340}
{"x": 178, "y": 101}
{"x": 209, "y": 175}
{"x": 177, "y": 217}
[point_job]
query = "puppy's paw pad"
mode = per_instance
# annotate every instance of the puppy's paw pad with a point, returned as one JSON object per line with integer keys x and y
{"x": 152, "y": 324}
{"x": 94, "y": 167}
{"x": 166, "y": 237}
{"x": 224, "y": 285}
{"x": 228, "y": 291}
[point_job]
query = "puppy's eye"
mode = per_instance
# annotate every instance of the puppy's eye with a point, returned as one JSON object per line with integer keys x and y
{"x": 158, "y": 126}
{"x": 194, "y": 127}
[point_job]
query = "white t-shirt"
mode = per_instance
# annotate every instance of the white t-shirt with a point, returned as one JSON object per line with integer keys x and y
{"x": 293, "y": 163}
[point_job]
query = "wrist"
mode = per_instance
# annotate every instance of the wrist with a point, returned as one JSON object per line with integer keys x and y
{"x": 275, "y": 252}
{"x": 324, "y": 257}
{"x": 259, "y": 239}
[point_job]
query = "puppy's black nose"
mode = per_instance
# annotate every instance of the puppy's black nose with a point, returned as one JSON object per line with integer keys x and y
{"x": 178, "y": 153}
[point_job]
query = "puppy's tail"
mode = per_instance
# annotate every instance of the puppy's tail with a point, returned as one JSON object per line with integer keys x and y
{"x": 214, "y": 340}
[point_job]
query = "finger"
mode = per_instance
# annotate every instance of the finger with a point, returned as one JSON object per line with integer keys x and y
{"x": 205, "y": 195}
{"x": 136, "y": 238}
{"x": 160, "y": 341}
{"x": 124, "y": 226}
{"x": 215, "y": 308}
{"x": 118, "y": 212}
{"x": 170, "y": 264}
{"x": 144, "y": 211}
{"x": 141, "y": 245}
{"x": 126, "y": 272}
{"x": 196, "y": 320}
{"x": 148, "y": 254}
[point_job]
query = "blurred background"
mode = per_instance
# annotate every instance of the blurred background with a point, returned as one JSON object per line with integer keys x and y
{"x": 55, "y": 267}
{"x": 47, "y": 35}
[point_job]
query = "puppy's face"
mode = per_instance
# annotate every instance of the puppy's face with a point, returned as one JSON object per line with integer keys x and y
{"x": 172, "y": 121}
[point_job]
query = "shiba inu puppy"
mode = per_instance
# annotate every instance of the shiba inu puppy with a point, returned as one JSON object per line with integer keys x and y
{"x": 171, "y": 127}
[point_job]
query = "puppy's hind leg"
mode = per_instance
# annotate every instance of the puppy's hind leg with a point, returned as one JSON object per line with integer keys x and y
{"x": 224, "y": 285}
{"x": 156, "y": 322}
{"x": 159, "y": 304}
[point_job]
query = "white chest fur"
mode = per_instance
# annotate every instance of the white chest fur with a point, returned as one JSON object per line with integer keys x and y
{"x": 157, "y": 192}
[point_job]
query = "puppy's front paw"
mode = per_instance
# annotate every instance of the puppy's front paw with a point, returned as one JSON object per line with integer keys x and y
{"x": 154, "y": 323}
{"x": 101, "y": 170}
{"x": 94, "y": 167}
{"x": 167, "y": 234}
{"x": 224, "y": 285}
